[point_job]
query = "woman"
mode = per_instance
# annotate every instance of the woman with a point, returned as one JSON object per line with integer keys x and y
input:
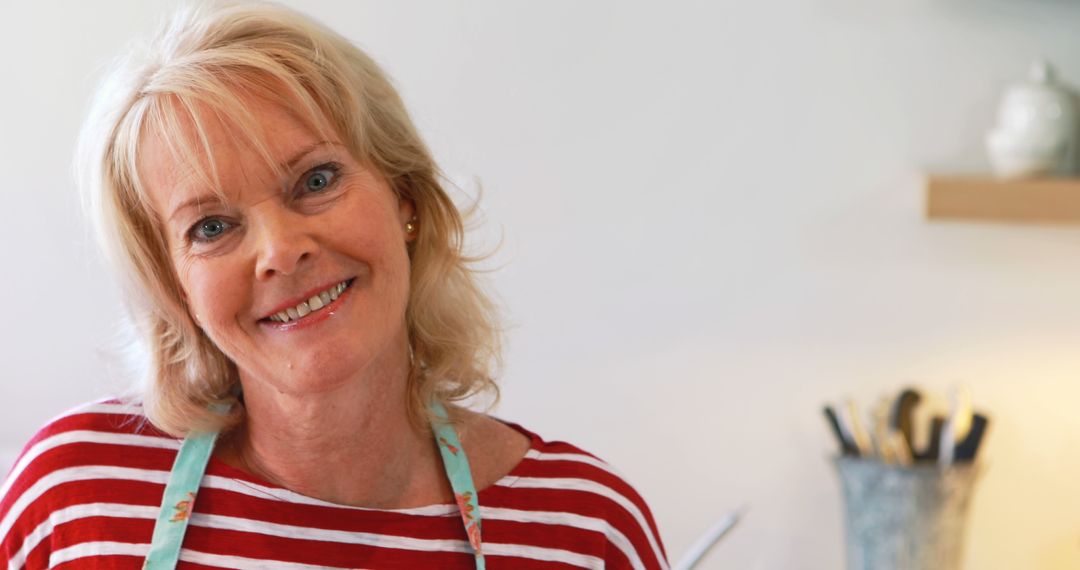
{"x": 296, "y": 272}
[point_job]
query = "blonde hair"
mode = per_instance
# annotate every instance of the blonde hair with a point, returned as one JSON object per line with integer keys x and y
{"x": 203, "y": 66}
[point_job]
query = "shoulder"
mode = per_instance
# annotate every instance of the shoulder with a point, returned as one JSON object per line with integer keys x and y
{"x": 562, "y": 484}
{"x": 87, "y": 433}
{"x": 493, "y": 447}
{"x": 74, "y": 461}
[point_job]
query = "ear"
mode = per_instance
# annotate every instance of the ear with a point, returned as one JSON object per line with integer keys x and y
{"x": 407, "y": 215}
{"x": 194, "y": 316}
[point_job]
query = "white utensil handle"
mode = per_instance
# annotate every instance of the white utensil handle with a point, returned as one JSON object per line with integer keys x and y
{"x": 702, "y": 545}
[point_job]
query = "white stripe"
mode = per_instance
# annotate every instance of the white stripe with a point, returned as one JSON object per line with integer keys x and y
{"x": 594, "y": 524}
{"x": 97, "y": 407}
{"x": 580, "y": 458}
{"x": 80, "y": 436}
{"x": 102, "y": 406}
{"x": 85, "y": 549}
{"x": 285, "y": 495}
{"x": 600, "y": 464}
{"x": 84, "y": 473}
{"x": 107, "y": 407}
{"x": 223, "y": 561}
{"x": 575, "y": 484}
{"x": 546, "y": 554}
{"x": 223, "y": 522}
{"x": 76, "y": 512}
{"x": 567, "y": 519}
{"x": 88, "y": 549}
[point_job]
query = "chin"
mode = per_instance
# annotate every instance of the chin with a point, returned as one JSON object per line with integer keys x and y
{"x": 325, "y": 370}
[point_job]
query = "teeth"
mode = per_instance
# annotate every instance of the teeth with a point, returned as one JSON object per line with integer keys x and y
{"x": 311, "y": 305}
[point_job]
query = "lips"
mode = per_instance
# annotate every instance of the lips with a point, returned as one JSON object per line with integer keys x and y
{"x": 311, "y": 303}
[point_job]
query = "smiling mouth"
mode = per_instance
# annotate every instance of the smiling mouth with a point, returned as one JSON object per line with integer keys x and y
{"x": 312, "y": 305}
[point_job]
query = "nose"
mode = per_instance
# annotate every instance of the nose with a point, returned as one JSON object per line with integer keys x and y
{"x": 283, "y": 241}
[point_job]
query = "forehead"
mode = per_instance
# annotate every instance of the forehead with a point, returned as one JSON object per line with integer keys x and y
{"x": 188, "y": 151}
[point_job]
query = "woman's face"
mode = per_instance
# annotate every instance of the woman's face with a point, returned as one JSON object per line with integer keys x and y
{"x": 301, "y": 281}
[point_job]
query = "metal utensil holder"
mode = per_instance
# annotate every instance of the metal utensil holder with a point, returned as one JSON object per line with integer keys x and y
{"x": 905, "y": 518}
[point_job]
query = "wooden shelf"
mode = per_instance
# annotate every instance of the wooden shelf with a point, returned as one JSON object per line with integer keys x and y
{"x": 983, "y": 198}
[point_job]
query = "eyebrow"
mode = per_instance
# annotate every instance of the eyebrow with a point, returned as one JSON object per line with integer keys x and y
{"x": 211, "y": 198}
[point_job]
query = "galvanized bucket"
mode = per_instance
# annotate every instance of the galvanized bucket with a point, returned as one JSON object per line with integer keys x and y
{"x": 905, "y": 518}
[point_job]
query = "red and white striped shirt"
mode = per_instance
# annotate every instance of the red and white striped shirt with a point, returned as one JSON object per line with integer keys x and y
{"x": 87, "y": 489}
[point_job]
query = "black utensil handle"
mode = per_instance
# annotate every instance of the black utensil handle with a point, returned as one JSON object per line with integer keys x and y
{"x": 967, "y": 449}
{"x": 846, "y": 447}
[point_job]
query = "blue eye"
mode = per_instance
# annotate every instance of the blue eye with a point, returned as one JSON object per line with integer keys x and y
{"x": 209, "y": 229}
{"x": 320, "y": 178}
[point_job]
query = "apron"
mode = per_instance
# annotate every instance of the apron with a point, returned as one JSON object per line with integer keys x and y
{"x": 178, "y": 501}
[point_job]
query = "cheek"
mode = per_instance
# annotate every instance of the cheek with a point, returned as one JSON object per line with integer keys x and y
{"x": 378, "y": 243}
{"x": 367, "y": 231}
{"x": 213, "y": 293}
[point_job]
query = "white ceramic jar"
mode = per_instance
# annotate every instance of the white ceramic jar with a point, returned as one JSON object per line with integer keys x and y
{"x": 1036, "y": 132}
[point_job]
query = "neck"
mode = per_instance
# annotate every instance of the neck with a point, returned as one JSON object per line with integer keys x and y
{"x": 352, "y": 445}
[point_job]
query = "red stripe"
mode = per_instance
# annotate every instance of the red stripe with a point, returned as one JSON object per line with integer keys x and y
{"x": 101, "y": 422}
{"x": 103, "y": 529}
{"x": 518, "y": 563}
{"x": 581, "y": 503}
{"x": 86, "y": 454}
{"x": 229, "y": 503}
{"x": 563, "y": 447}
{"x": 571, "y": 539}
{"x": 38, "y": 557}
{"x": 77, "y": 493}
{"x": 573, "y": 469}
{"x": 106, "y": 562}
{"x": 317, "y": 552}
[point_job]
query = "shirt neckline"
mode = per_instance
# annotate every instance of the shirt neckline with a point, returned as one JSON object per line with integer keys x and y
{"x": 219, "y": 468}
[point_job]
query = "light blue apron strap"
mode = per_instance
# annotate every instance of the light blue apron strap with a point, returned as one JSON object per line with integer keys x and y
{"x": 457, "y": 470}
{"x": 187, "y": 473}
{"x": 178, "y": 501}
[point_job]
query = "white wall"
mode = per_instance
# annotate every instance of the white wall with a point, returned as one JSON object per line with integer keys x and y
{"x": 712, "y": 224}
